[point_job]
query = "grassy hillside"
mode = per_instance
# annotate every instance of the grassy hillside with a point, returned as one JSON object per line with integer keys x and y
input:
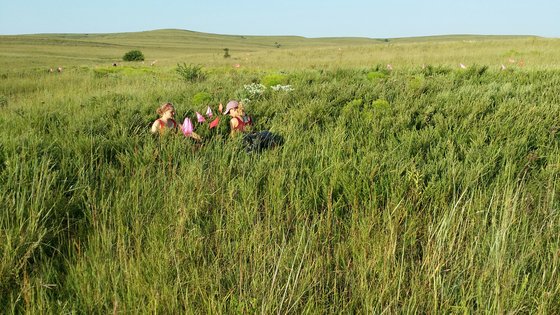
{"x": 428, "y": 189}
{"x": 163, "y": 45}
{"x": 170, "y": 47}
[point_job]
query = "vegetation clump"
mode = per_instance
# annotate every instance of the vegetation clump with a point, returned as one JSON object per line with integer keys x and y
{"x": 133, "y": 55}
{"x": 190, "y": 73}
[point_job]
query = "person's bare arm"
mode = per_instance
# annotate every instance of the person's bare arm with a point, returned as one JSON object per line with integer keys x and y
{"x": 155, "y": 127}
{"x": 233, "y": 123}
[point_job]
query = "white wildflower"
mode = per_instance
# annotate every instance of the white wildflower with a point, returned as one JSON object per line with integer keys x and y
{"x": 285, "y": 88}
{"x": 255, "y": 89}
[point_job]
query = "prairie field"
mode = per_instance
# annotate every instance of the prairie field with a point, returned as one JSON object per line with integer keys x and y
{"x": 405, "y": 183}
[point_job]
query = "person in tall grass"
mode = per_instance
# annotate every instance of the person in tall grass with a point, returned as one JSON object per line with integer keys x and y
{"x": 166, "y": 122}
{"x": 252, "y": 141}
{"x": 166, "y": 119}
{"x": 239, "y": 120}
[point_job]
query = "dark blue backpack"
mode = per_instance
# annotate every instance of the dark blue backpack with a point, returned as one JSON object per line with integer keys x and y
{"x": 262, "y": 140}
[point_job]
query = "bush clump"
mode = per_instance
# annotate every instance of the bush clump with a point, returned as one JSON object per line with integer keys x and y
{"x": 133, "y": 55}
{"x": 191, "y": 73}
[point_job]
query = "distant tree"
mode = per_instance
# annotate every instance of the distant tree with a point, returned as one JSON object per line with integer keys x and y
{"x": 277, "y": 44}
{"x": 226, "y": 53}
{"x": 133, "y": 55}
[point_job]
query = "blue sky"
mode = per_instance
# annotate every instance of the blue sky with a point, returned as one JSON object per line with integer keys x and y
{"x": 312, "y": 18}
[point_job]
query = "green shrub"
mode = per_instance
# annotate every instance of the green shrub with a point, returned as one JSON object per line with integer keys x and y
{"x": 133, "y": 55}
{"x": 191, "y": 73}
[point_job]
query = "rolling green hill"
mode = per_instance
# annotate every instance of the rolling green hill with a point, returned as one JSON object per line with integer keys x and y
{"x": 170, "y": 47}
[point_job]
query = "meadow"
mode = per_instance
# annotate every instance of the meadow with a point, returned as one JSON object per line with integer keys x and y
{"x": 425, "y": 188}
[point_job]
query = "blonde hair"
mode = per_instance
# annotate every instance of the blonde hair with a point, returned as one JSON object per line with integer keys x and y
{"x": 164, "y": 107}
{"x": 240, "y": 108}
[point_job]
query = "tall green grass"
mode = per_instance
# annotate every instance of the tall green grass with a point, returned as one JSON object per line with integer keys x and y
{"x": 420, "y": 190}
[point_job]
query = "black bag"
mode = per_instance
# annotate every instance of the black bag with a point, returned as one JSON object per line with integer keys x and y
{"x": 258, "y": 141}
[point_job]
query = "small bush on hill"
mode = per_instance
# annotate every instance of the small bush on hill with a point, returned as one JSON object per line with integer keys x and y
{"x": 133, "y": 55}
